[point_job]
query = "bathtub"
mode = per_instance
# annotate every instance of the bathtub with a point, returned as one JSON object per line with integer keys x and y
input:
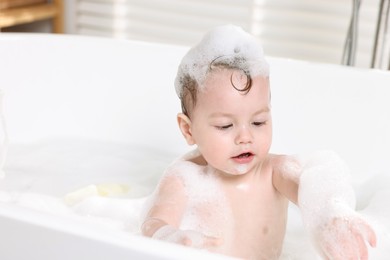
{"x": 84, "y": 111}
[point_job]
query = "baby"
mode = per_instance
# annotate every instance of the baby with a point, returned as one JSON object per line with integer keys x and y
{"x": 230, "y": 195}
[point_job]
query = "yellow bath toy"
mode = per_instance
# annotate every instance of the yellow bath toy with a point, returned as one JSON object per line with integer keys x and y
{"x": 104, "y": 189}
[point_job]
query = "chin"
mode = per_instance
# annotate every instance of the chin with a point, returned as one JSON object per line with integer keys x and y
{"x": 241, "y": 169}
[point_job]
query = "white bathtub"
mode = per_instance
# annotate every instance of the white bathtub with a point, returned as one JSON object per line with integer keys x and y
{"x": 82, "y": 110}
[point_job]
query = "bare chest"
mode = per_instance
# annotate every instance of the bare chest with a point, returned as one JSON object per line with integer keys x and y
{"x": 259, "y": 214}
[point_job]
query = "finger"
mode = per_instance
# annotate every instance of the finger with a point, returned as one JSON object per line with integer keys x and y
{"x": 371, "y": 236}
{"x": 198, "y": 240}
{"x": 328, "y": 251}
{"x": 363, "y": 251}
{"x": 212, "y": 241}
{"x": 339, "y": 243}
{"x": 185, "y": 241}
{"x": 184, "y": 238}
{"x": 349, "y": 245}
{"x": 329, "y": 247}
{"x": 369, "y": 233}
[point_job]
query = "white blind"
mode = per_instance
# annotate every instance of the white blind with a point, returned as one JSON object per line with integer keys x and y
{"x": 169, "y": 21}
{"x": 300, "y": 29}
{"x": 314, "y": 30}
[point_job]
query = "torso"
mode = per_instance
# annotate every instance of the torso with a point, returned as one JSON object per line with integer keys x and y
{"x": 247, "y": 211}
{"x": 260, "y": 214}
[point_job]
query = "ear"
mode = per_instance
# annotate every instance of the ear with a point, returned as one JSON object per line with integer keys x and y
{"x": 185, "y": 127}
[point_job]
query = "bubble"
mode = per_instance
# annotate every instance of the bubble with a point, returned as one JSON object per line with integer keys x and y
{"x": 242, "y": 168}
{"x": 228, "y": 44}
{"x": 207, "y": 210}
{"x": 324, "y": 185}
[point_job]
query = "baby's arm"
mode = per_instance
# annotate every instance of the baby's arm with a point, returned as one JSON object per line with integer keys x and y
{"x": 327, "y": 203}
{"x": 165, "y": 213}
{"x": 166, "y": 206}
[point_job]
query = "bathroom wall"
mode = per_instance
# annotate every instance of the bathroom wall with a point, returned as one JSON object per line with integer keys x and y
{"x": 299, "y": 29}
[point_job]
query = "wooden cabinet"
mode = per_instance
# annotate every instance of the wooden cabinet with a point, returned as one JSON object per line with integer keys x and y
{"x": 28, "y": 11}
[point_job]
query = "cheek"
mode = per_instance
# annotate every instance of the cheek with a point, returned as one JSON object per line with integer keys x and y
{"x": 210, "y": 142}
{"x": 212, "y": 139}
{"x": 266, "y": 140}
{"x": 214, "y": 151}
{"x": 263, "y": 138}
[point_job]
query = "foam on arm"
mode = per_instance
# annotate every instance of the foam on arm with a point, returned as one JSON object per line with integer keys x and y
{"x": 324, "y": 188}
{"x": 166, "y": 206}
{"x": 327, "y": 202}
{"x": 170, "y": 204}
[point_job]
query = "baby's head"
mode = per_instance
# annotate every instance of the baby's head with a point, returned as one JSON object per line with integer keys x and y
{"x": 223, "y": 47}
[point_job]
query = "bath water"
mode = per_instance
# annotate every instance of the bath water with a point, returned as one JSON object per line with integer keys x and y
{"x": 110, "y": 182}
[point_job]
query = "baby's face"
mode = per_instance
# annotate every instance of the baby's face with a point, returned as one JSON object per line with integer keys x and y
{"x": 233, "y": 130}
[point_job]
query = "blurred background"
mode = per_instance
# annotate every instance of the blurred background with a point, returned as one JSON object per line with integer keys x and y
{"x": 348, "y": 32}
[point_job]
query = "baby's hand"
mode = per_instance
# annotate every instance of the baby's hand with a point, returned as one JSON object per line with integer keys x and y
{"x": 345, "y": 238}
{"x": 187, "y": 238}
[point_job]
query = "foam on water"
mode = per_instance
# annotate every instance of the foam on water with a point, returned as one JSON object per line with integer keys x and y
{"x": 79, "y": 179}
{"x": 228, "y": 44}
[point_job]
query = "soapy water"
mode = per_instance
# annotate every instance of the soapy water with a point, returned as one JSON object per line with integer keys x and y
{"x": 110, "y": 182}
{"x": 83, "y": 179}
{"x": 71, "y": 164}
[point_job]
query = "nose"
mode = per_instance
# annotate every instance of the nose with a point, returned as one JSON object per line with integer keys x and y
{"x": 244, "y": 135}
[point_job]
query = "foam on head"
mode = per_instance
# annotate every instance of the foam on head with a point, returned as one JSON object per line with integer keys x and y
{"x": 226, "y": 44}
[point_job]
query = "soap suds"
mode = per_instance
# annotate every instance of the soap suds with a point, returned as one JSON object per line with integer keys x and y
{"x": 226, "y": 44}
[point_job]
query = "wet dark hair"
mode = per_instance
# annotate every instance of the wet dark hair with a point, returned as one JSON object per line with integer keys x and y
{"x": 188, "y": 96}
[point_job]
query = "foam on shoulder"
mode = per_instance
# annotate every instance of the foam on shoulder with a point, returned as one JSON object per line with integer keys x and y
{"x": 207, "y": 210}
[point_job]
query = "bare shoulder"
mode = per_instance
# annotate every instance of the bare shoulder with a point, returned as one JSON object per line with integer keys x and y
{"x": 286, "y": 170}
{"x": 170, "y": 196}
{"x": 181, "y": 173}
{"x": 279, "y": 159}
{"x": 287, "y": 166}
{"x": 184, "y": 167}
{"x": 171, "y": 185}
{"x": 168, "y": 201}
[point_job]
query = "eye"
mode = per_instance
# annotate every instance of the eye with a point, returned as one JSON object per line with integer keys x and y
{"x": 224, "y": 127}
{"x": 258, "y": 123}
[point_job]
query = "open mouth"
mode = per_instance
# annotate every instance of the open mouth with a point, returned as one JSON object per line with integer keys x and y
{"x": 244, "y": 155}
